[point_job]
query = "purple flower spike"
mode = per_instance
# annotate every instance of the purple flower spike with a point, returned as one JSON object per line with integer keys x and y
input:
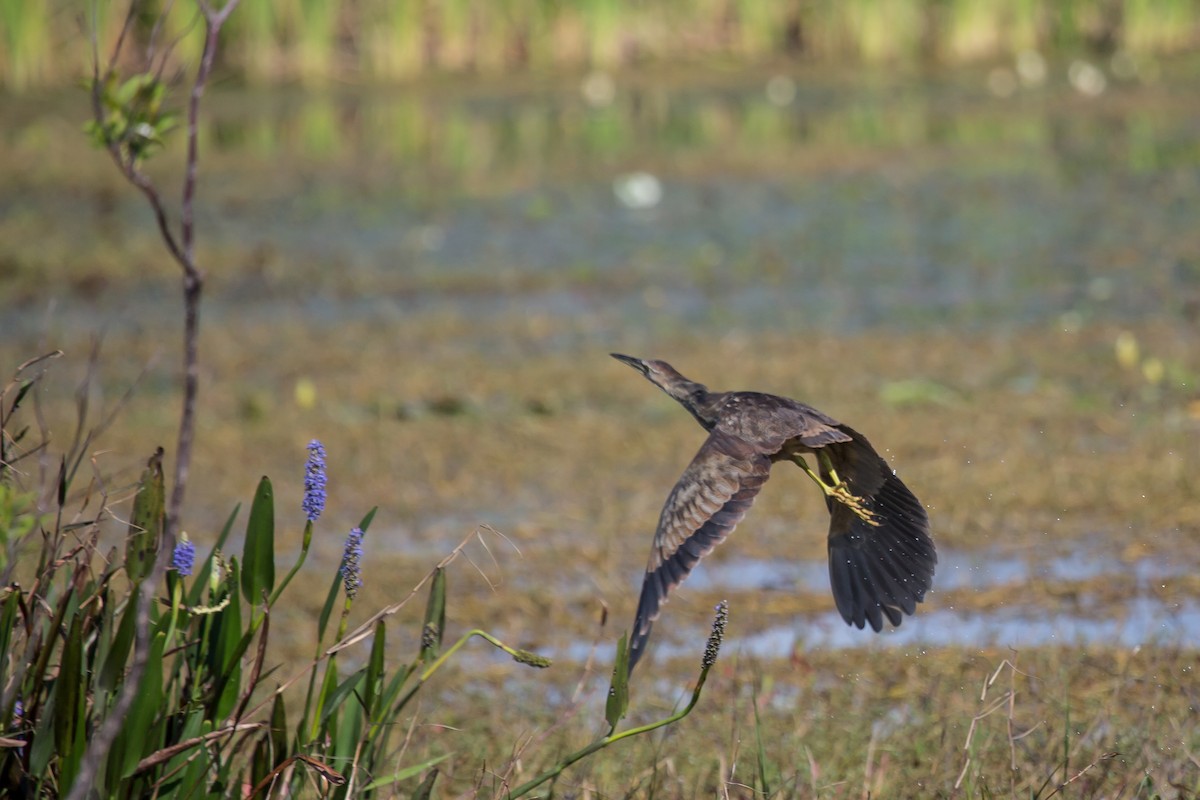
{"x": 184, "y": 557}
{"x": 314, "y": 481}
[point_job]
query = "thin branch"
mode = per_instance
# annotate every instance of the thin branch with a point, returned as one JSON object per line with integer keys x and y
{"x": 167, "y": 753}
{"x": 1103, "y": 757}
{"x": 104, "y": 736}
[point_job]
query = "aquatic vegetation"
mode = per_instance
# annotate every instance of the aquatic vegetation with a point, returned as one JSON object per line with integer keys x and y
{"x": 318, "y": 42}
{"x": 172, "y": 692}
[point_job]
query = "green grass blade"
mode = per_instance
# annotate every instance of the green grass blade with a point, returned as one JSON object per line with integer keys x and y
{"x": 226, "y": 648}
{"x": 425, "y": 790}
{"x": 258, "y": 554}
{"x": 618, "y": 690}
{"x": 334, "y": 699}
{"x": 70, "y": 707}
{"x": 146, "y": 522}
{"x": 328, "y": 688}
{"x": 435, "y": 618}
{"x": 113, "y": 671}
{"x": 260, "y": 762}
{"x": 149, "y": 702}
{"x": 327, "y": 609}
{"x": 279, "y": 732}
{"x": 761, "y": 754}
{"x": 8, "y": 621}
{"x": 406, "y": 773}
{"x": 374, "y": 670}
{"x": 43, "y": 739}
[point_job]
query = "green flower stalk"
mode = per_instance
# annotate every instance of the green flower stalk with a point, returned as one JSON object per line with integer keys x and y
{"x": 711, "y": 650}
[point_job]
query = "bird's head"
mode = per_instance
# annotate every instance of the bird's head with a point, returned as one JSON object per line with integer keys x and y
{"x": 664, "y": 376}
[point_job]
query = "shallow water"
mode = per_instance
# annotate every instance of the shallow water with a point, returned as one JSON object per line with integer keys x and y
{"x": 955, "y": 570}
{"x": 913, "y": 204}
{"x": 1140, "y": 619}
{"x": 897, "y": 201}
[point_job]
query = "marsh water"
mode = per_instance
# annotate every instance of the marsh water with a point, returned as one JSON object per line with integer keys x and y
{"x": 502, "y": 223}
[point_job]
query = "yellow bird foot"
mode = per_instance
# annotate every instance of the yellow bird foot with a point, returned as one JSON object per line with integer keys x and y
{"x": 838, "y": 490}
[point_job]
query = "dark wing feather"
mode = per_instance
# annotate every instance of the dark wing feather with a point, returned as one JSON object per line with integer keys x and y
{"x": 876, "y": 571}
{"x": 707, "y": 503}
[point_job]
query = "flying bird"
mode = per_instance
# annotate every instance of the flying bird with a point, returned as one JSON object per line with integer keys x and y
{"x": 881, "y": 555}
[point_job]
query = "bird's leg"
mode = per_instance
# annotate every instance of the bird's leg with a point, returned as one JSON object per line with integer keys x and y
{"x": 838, "y": 490}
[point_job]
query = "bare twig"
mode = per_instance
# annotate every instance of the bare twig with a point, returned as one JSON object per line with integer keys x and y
{"x": 1078, "y": 775}
{"x": 167, "y": 753}
{"x": 193, "y": 282}
{"x": 1006, "y": 700}
{"x": 367, "y": 628}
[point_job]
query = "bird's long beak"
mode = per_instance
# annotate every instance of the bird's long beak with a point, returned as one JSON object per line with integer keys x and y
{"x": 636, "y": 363}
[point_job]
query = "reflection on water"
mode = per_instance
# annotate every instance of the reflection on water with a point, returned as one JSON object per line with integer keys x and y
{"x": 1138, "y": 620}
{"x": 955, "y": 570}
{"x": 1142, "y": 621}
{"x": 858, "y": 202}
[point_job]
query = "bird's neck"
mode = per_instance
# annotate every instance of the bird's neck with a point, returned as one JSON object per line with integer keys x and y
{"x": 703, "y": 404}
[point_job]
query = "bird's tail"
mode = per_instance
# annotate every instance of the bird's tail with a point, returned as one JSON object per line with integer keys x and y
{"x": 643, "y": 621}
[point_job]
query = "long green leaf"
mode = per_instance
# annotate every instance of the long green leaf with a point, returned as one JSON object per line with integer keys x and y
{"x": 328, "y": 687}
{"x": 435, "y": 617}
{"x": 114, "y": 663}
{"x": 618, "y": 690}
{"x": 345, "y": 736}
{"x": 146, "y": 521}
{"x": 406, "y": 773}
{"x": 327, "y": 609}
{"x": 366, "y": 521}
{"x": 279, "y": 732}
{"x": 195, "y": 725}
{"x": 43, "y": 739}
{"x": 425, "y": 790}
{"x": 70, "y": 706}
{"x": 258, "y": 555}
{"x": 8, "y": 621}
{"x": 260, "y": 762}
{"x": 374, "y": 669}
{"x": 333, "y": 700}
{"x": 147, "y": 705}
{"x": 385, "y": 709}
{"x": 226, "y": 649}
{"x": 201, "y": 761}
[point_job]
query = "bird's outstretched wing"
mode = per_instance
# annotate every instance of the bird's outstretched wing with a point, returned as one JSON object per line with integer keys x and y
{"x": 707, "y": 503}
{"x": 879, "y": 570}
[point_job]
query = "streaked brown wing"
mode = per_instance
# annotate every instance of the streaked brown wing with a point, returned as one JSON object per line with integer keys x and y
{"x": 707, "y": 503}
{"x": 773, "y": 421}
{"x": 876, "y": 571}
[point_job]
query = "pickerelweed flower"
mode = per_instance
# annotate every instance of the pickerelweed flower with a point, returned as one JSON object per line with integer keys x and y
{"x": 184, "y": 557}
{"x": 351, "y": 570}
{"x": 718, "y": 634}
{"x": 314, "y": 481}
